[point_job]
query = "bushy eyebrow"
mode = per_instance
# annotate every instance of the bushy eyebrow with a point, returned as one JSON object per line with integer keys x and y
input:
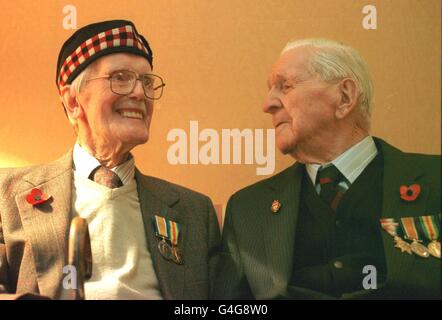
{"x": 275, "y": 78}
{"x": 283, "y": 77}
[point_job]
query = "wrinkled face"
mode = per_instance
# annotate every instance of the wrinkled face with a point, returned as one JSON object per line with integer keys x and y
{"x": 113, "y": 120}
{"x": 302, "y": 105}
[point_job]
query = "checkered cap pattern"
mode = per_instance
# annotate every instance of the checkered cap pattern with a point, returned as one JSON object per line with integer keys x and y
{"x": 96, "y": 40}
{"x": 117, "y": 37}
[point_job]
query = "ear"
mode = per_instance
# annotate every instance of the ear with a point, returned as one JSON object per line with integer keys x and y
{"x": 348, "y": 97}
{"x": 70, "y": 103}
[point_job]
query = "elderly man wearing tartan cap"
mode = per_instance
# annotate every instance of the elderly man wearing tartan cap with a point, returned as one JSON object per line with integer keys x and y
{"x": 150, "y": 239}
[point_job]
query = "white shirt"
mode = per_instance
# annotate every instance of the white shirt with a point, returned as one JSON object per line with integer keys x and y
{"x": 85, "y": 163}
{"x": 350, "y": 163}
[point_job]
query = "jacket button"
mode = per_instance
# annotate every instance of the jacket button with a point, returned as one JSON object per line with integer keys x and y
{"x": 338, "y": 264}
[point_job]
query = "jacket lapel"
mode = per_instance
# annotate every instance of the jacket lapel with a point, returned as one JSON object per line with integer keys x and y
{"x": 154, "y": 201}
{"x": 399, "y": 171}
{"x": 47, "y": 224}
{"x": 279, "y": 228}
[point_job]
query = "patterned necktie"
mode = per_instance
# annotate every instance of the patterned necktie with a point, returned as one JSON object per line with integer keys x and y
{"x": 331, "y": 192}
{"x": 105, "y": 177}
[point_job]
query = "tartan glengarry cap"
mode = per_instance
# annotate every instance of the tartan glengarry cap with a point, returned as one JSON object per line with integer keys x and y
{"x": 96, "y": 40}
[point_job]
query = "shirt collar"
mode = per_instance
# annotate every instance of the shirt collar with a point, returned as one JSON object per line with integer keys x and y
{"x": 350, "y": 163}
{"x": 85, "y": 163}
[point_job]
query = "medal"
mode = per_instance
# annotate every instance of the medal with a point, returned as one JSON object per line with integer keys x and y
{"x": 410, "y": 230}
{"x": 389, "y": 225}
{"x": 430, "y": 227}
{"x": 168, "y": 231}
{"x": 434, "y": 248}
{"x": 419, "y": 249}
{"x": 177, "y": 256}
{"x": 402, "y": 245}
{"x": 165, "y": 249}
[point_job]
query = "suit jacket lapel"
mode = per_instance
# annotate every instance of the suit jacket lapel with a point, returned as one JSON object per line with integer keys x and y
{"x": 47, "y": 225}
{"x": 397, "y": 172}
{"x": 279, "y": 228}
{"x": 154, "y": 201}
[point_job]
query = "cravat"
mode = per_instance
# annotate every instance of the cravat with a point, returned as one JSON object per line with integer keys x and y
{"x": 105, "y": 177}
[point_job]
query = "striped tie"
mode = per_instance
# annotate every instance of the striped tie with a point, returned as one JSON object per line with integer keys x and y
{"x": 329, "y": 178}
{"x": 105, "y": 177}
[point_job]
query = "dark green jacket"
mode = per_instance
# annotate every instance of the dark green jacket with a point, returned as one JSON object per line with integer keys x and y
{"x": 257, "y": 256}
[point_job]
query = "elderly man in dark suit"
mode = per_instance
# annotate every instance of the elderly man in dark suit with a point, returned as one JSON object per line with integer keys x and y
{"x": 149, "y": 239}
{"x": 354, "y": 217}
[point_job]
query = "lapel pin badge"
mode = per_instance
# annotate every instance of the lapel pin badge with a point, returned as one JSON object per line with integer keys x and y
{"x": 36, "y": 197}
{"x": 276, "y": 205}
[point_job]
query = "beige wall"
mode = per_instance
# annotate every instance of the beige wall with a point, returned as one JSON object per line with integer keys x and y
{"x": 215, "y": 56}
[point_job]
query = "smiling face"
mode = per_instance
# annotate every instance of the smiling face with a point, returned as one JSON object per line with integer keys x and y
{"x": 110, "y": 122}
{"x": 302, "y": 105}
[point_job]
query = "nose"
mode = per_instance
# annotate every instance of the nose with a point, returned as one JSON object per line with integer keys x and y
{"x": 138, "y": 91}
{"x": 272, "y": 102}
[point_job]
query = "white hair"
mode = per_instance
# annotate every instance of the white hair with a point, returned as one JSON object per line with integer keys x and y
{"x": 78, "y": 82}
{"x": 331, "y": 60}
{"x": 74, "y": 89}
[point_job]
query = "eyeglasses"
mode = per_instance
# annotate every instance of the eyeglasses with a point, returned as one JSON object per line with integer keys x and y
{"x": 123, "y": 82}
